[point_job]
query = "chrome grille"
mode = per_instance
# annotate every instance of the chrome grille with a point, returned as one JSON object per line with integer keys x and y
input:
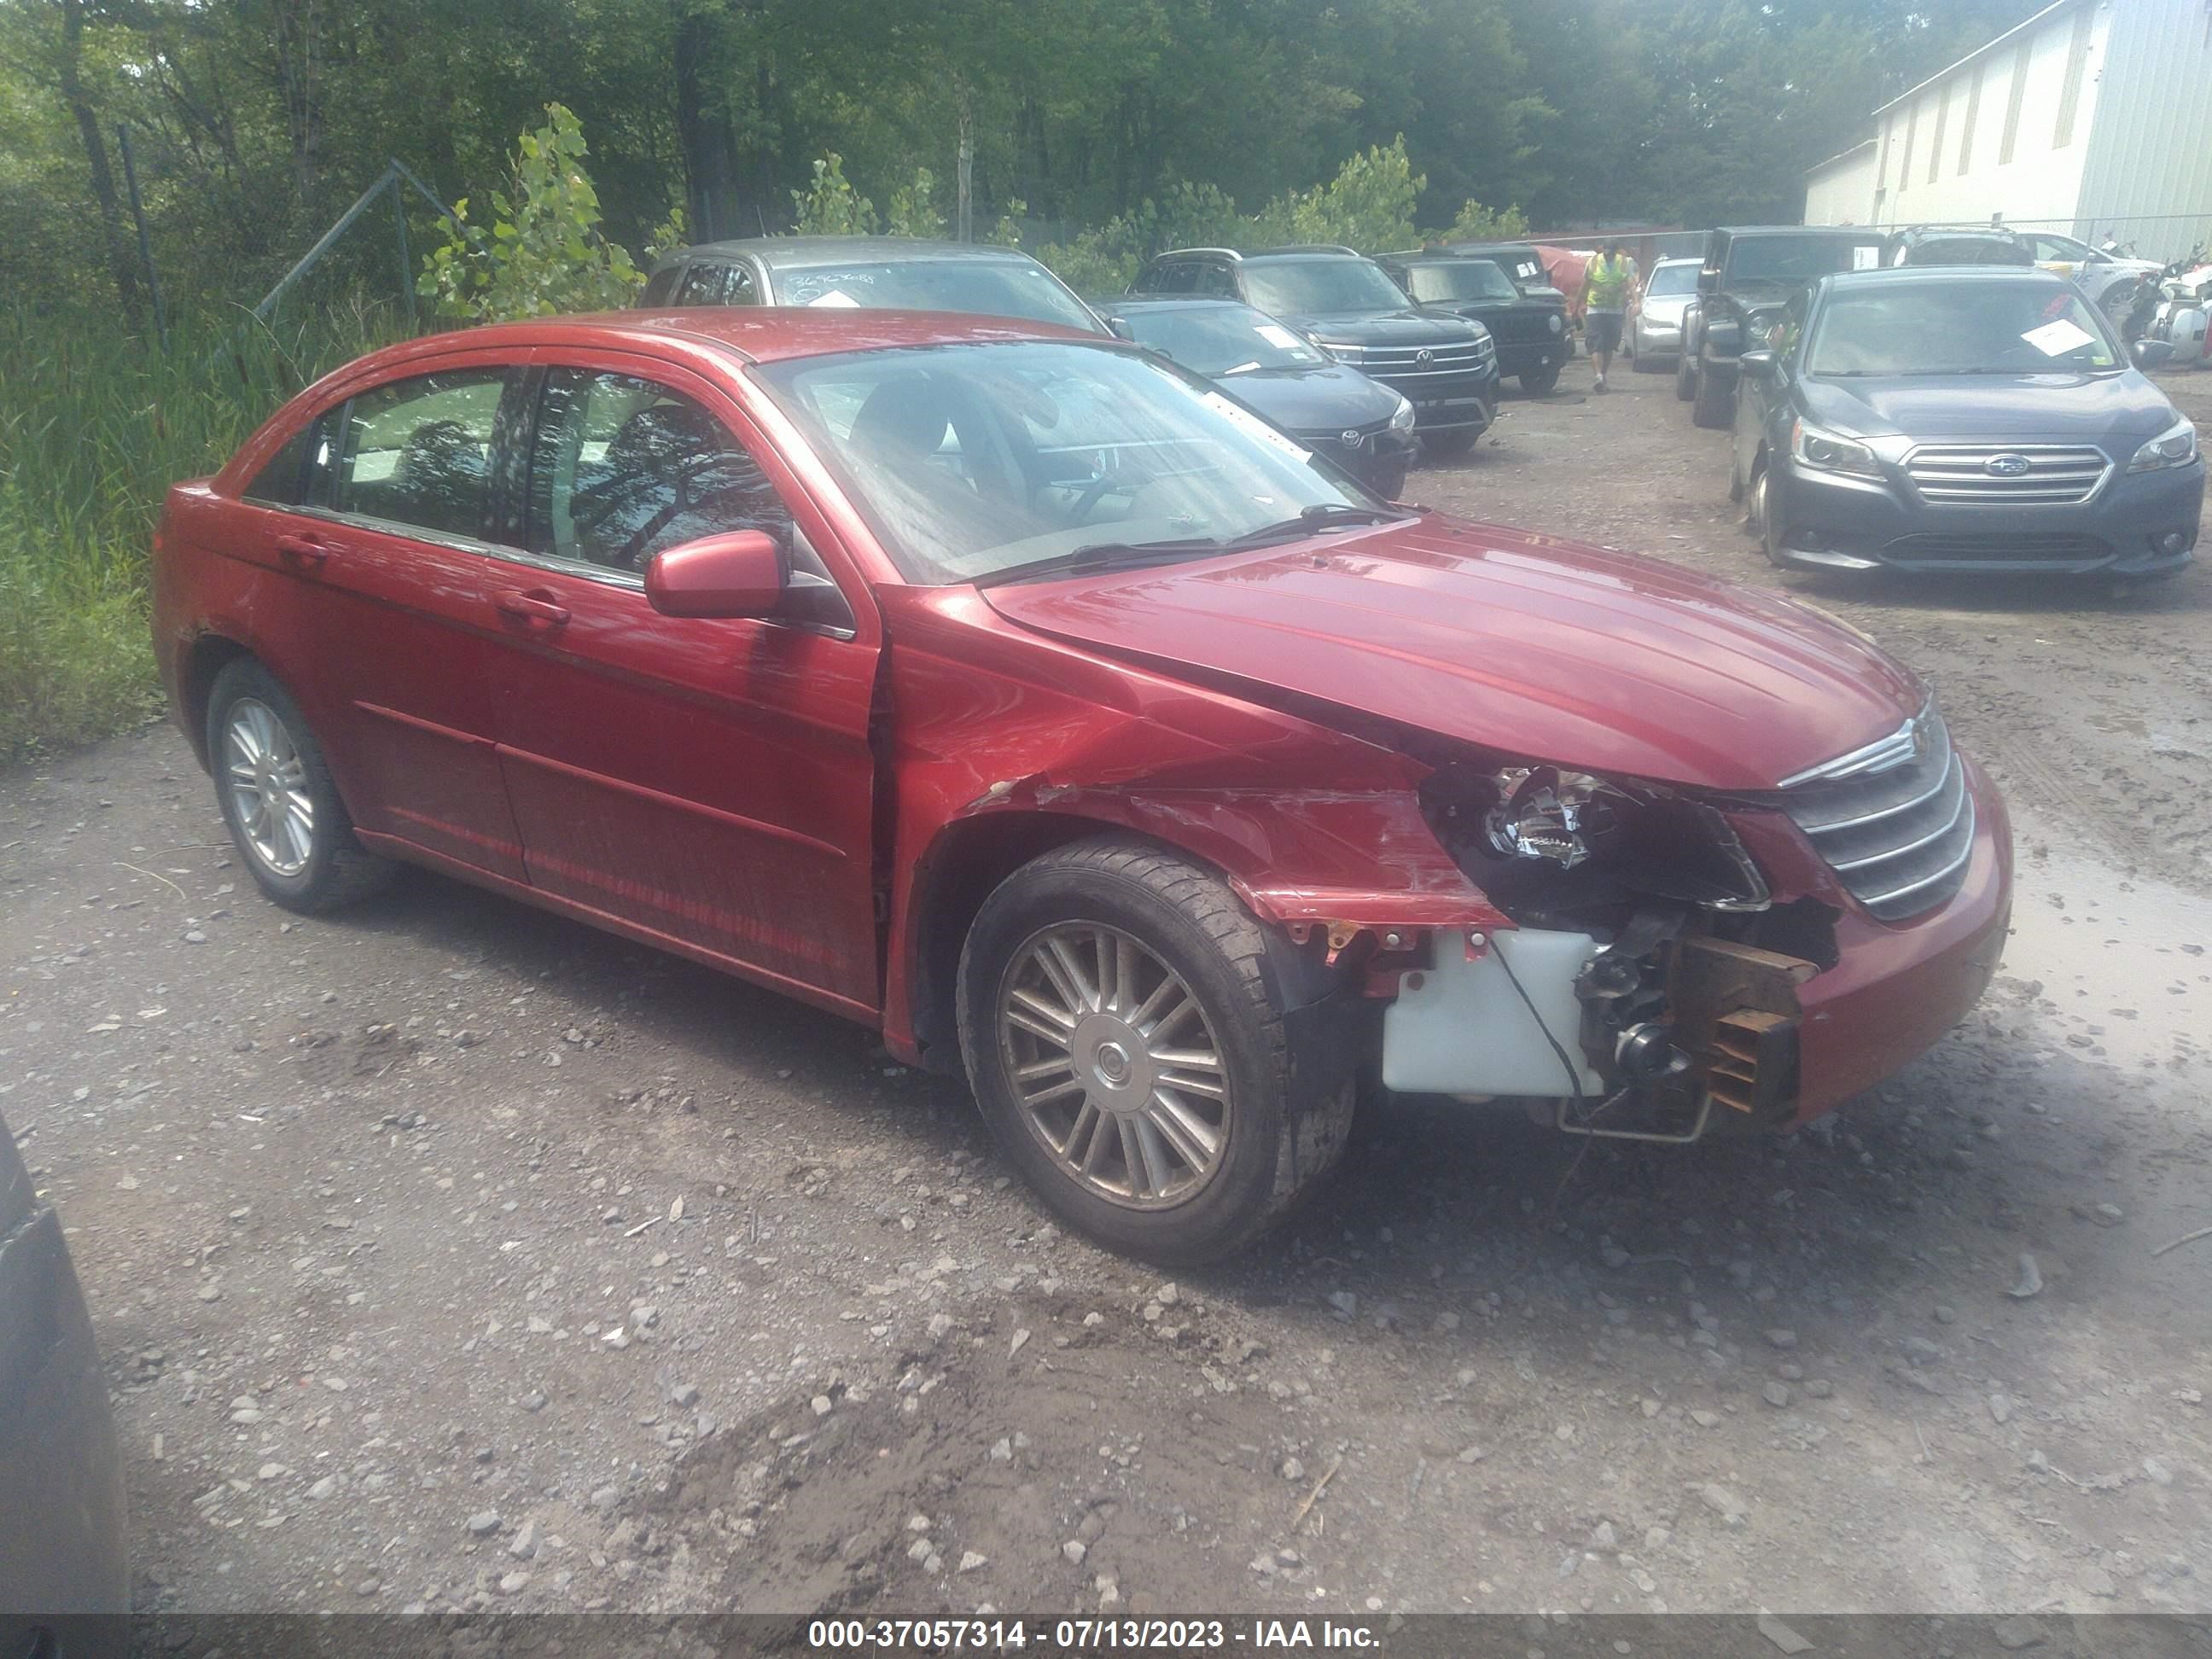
{"x": 1958, "y": 475}
{"x": 1403, "y": 360}
{"x": 1895, "y": 823}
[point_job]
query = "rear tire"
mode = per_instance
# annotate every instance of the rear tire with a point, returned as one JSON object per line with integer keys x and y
{"x": 1713, "y": 405}
{"x": 291, "y": 830}
{"x": 1133, "y": 1152}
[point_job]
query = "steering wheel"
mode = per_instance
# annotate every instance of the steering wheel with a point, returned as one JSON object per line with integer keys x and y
{"x": 1093, "y": 493}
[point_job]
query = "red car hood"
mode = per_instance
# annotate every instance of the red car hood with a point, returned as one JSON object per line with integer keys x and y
{"x": 1536, "y": 647}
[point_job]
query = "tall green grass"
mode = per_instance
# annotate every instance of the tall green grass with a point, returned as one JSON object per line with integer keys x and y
{"x": 95, "y": 424}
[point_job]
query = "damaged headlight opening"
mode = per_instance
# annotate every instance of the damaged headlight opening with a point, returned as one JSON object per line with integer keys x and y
{"x": 1552, "y": 837}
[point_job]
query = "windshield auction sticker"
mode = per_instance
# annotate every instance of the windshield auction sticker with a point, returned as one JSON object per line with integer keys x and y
{"x": 2057, "y": 339}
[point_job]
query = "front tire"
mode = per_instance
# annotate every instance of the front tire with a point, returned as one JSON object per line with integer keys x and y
{"x": 1124, "y": 1035}
{"x": 1759, "y": 515}
{"x": 1685, "y": 377}
{"x": 1539, "y": 381}
{"x": 277, "y": 800}
{"x": 1450, "y": 446}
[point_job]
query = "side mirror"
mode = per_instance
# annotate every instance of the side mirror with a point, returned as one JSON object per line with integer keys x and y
{"x": 2152, "y": 354}
{"x": 1120, "y": 327}
{"x": 1758, "y": 365}
{"x": 739, "y": 574}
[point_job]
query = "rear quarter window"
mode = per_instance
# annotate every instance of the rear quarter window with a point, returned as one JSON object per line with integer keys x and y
{"x": 298, "y": 475}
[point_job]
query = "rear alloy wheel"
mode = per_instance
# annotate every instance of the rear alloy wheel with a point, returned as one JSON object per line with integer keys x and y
{"x": 1538, "y": 381}
{"x": 276, "y": 797}
{"x": 1125, "y": 1040}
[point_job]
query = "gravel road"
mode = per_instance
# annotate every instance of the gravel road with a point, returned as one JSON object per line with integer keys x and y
{"x": 447, "y": 1255}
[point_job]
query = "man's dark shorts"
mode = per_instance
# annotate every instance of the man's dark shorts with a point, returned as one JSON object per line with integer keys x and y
{"x": 1602, "y": 333}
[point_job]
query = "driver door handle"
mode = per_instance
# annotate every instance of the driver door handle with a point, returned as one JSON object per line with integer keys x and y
{"x": 305, "y": 554}
{"x": 536, "y": 610}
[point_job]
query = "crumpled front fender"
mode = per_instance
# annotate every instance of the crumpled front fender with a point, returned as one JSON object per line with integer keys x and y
{"x": 994, "y": 731}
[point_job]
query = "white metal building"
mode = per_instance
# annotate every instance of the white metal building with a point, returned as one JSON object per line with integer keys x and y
{"x": 2092, "y": 118}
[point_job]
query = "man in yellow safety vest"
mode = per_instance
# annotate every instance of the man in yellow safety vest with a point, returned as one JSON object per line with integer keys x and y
{"x": 1604, "y": 295}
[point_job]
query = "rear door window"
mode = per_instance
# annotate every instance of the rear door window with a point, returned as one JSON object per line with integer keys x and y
{"x": 716, "y": 285}
{"x": 418, "y": 452}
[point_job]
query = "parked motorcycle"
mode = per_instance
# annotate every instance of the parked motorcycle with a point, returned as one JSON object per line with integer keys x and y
{"x": 2182, "y": 311}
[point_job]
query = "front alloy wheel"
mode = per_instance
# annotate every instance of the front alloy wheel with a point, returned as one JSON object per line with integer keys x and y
{"x": 1124, "y": 1030}
{"x": 1120, "y": 1077}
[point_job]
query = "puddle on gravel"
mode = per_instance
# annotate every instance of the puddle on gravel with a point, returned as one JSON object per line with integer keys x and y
{"x": 2128, "y": 962}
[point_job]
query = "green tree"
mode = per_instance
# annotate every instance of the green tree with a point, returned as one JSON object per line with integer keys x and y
{"x": 541, "y": 254}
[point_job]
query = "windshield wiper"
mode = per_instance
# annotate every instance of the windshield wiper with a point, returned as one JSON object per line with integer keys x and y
{"x": 1322, "y": 515}
{"x": 1135, "y": 556}
{"x": 1102, "y": 555}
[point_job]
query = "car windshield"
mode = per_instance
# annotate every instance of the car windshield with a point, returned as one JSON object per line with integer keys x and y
{"x": 1959, "y": 328}
{"x": 974, "y": 459}
{"x": 1293, "y": 287}
{"x": 1672, "y": 279}
{"x": 1215, "y": 338}
{"x": 1799, "y": 258}
{"x": 1462, "y": 279}
{"x": 991, "y": 288}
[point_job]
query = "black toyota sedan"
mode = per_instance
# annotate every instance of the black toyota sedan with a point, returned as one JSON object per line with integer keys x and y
{"x": 65, "y": 1587}
{"x": 1961, "y": 419}
{"x": 1446, "y": 365}
{"x": 1278, "y": 374}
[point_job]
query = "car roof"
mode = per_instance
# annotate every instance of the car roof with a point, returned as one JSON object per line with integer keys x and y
{"x": 798, "y": 253}
{"x": 1930, "y": 275}
{"x": 756, "y": 334}
{"x": 1166, "y": 301}
{"x": 1861, "y": 233}
{"x": 1437, "y": 256}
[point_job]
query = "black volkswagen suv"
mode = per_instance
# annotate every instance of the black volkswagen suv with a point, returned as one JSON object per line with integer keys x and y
{"x": 1445, "y": 366}
{"x": 1529, "y": 329}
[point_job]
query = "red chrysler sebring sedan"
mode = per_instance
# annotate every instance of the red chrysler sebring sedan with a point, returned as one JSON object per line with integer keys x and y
{"x": 1025, "y": 698}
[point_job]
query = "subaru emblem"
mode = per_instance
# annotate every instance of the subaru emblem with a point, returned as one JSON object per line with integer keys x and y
{"x": 1348, "y": 438}
{"x": 2006, "y": 466}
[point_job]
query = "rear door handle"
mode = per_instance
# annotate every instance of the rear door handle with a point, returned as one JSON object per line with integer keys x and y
{"x": 536, "y": 610}
{"x": 303, "y": 553}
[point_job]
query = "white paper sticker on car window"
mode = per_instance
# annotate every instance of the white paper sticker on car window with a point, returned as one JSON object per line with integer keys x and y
{"x": 1866, "y": 259}
{"x": 1276, "y": 335}
{"x": 2057, "y": 339}
{"x": 835, "y": 296}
